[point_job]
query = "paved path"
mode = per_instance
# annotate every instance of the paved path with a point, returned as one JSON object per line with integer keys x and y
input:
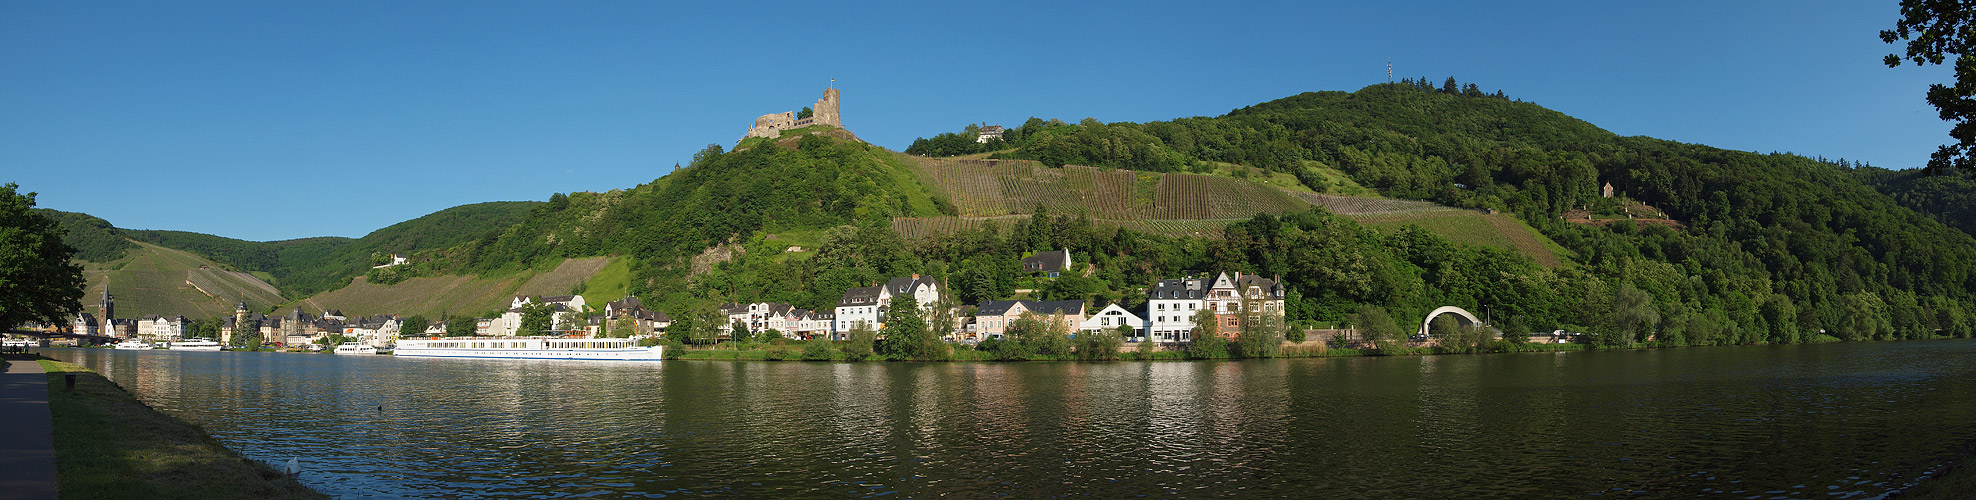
{"x": 27, "y": 432}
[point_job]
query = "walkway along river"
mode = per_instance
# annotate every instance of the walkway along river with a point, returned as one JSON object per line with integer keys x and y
{"x": 1804, "y": 421}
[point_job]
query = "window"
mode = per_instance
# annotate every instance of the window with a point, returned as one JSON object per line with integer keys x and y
{"x": 1190, "y": 307}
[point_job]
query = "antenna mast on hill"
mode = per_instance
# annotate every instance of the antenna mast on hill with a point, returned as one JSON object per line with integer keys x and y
{"x": 1389, "y": 71}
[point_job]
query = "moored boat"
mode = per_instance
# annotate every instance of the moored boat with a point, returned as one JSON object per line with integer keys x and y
{"x": 196, "y": 345}
{"x": 527, "y": 348}
{"x": 354, "y": 348}
{"x": 133, "y": 345}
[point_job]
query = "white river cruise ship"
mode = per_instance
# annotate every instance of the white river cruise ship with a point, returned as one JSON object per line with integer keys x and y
{"x": 527, "y": 348}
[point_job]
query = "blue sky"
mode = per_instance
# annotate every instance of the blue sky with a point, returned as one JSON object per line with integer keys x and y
{"x": 279, "y": 120}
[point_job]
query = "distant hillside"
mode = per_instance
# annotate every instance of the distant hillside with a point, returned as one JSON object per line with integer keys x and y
{"x": 303, "y": 266}
{"x": 457, "y": 295}
{"x": 1950, "y": 199}
{"x": 151, "y": 279}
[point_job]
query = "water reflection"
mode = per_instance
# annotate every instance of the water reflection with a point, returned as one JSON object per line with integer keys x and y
{"x": 1791, "y": 421}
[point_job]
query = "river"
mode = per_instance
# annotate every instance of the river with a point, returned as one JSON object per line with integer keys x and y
{"x": 1851, "y": 420}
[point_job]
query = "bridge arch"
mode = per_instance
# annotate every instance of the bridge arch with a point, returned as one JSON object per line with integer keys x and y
{"x": 1461, "y": 316}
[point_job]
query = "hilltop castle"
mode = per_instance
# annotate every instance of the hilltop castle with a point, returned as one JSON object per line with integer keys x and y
{"x": 825, "y": 113}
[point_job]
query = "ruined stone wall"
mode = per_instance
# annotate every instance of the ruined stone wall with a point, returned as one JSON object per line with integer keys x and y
{"x": 824, "y": 113}
{"x": 771, "y": 125}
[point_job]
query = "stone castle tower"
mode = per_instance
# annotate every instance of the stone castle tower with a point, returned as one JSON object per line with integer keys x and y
{"x": 824, "y": 113}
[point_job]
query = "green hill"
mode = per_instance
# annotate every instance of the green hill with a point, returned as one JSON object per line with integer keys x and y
{"x": 1770, "y": 248}
{"x": 302, "y": 266}
{"x": 151, "y": 279}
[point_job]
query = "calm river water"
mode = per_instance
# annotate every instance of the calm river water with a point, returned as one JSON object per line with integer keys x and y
{"x": 1814, "y": 421}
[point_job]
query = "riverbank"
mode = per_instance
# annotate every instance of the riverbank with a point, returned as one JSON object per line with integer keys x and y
{"x": 800, "y": 351}
{"x": 1957, "y": 481}
{"x": 110, "y": 445}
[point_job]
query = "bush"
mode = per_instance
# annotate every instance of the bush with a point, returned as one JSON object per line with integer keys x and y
{"x": 781, "y": 353}
{"x": 673, "y": 349}
{"x": 1208, "y": 347}
{"x": 818, "y": 349}
{"x": 859, "y": 348}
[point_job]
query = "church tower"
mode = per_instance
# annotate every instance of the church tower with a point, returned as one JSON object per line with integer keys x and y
{"x": 108, "y": 306}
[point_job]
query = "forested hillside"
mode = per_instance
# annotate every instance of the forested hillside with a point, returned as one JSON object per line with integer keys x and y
{"x": 1753, "y": 248}
{"x": 304, "y": 266}
{"x": 1775, "y": 245}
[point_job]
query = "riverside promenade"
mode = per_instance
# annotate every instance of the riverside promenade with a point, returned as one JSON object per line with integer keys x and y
{"x": 27, "y": 431}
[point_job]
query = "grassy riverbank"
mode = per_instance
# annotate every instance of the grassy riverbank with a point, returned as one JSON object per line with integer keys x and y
{"x": 110, "y": 445}
{"x": 1956, "y": 482}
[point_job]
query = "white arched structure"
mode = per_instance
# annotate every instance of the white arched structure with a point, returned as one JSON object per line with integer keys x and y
{"x": 1461, "y": 315}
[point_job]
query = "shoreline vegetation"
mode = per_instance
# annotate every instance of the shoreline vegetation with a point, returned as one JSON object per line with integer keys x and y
{"x": 110, "y": 445}
{"x": 990, "y": 351}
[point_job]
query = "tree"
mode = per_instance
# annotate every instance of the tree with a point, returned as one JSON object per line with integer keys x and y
{"x": 905, "y": 330}
{"x": 536, "y": 317}
{"x": 1375, "y": 327}
{"x": 625, "y": 325}
{"x": 1102, "y": 344}
{"x": 1207, "y": 343}
{"x": 770, "y": 335}
{"x": 462, "y": 326}
{"x": 860, "y": 346}
{"x": 1633, "y": 315}
{"x": 1934, "y": 30}
{"x": 413, "y": 326}
{"x": 739, "y": 332}
{"x": 1261, "y": 336}
{"x": 805, "y": 113}
{"x": 39, "y": 282}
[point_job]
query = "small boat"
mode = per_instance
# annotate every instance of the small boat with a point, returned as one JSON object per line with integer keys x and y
{"x": 196, "y": 345}
{"x": 354, "y": 348}
{"x": 527, "y": 348}
{"x": 134, "y": 345}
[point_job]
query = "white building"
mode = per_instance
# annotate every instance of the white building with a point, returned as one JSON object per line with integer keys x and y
{"x": 568, "y": 313}
{"x": 1110, "y": 318}
{"x": 1170, "y": 308}
{"x": 860, "y": 306}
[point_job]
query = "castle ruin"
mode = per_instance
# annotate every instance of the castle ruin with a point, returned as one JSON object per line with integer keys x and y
{"x": 824, "y": 113}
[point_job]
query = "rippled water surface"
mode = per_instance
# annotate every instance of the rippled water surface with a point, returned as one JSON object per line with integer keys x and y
{"x": 1820, "y": 421}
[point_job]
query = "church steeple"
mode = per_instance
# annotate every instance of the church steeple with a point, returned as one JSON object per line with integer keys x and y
{"x": 107, "y": 307}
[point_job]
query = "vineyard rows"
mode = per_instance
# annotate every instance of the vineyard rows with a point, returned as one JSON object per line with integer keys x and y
{"x": 992, "y": 188}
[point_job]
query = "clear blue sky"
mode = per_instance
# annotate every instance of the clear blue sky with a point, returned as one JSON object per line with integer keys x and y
{"x": 277, "y": 120}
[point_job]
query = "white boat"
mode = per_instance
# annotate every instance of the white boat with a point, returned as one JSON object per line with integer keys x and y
{"x": 354, "y": 348}
{"x": 196, "y": 345}
{"x": 527, "y": 348}
{"x": 134, "y": 345}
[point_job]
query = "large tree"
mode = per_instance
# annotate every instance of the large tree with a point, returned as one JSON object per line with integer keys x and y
{"x": 38, "y": 280}
{"x": 1935, "y": 30}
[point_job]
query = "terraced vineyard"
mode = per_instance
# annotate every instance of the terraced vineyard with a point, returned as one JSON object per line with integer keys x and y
{"x": 152, "y": 279}
{"x": 433, "y": 296}
{"x": 1176, "y": 204}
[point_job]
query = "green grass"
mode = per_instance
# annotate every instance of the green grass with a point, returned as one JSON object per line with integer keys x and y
{"x": 1469, "y": 227}
{"x": 110, "y": 445}
{"x": 610, "y": 283}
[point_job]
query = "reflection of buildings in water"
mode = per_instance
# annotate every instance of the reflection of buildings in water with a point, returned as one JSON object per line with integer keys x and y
{"x": 858, "y": 404}
{"x": 998, "y": 405}
{"x": 1175, "y": 413}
